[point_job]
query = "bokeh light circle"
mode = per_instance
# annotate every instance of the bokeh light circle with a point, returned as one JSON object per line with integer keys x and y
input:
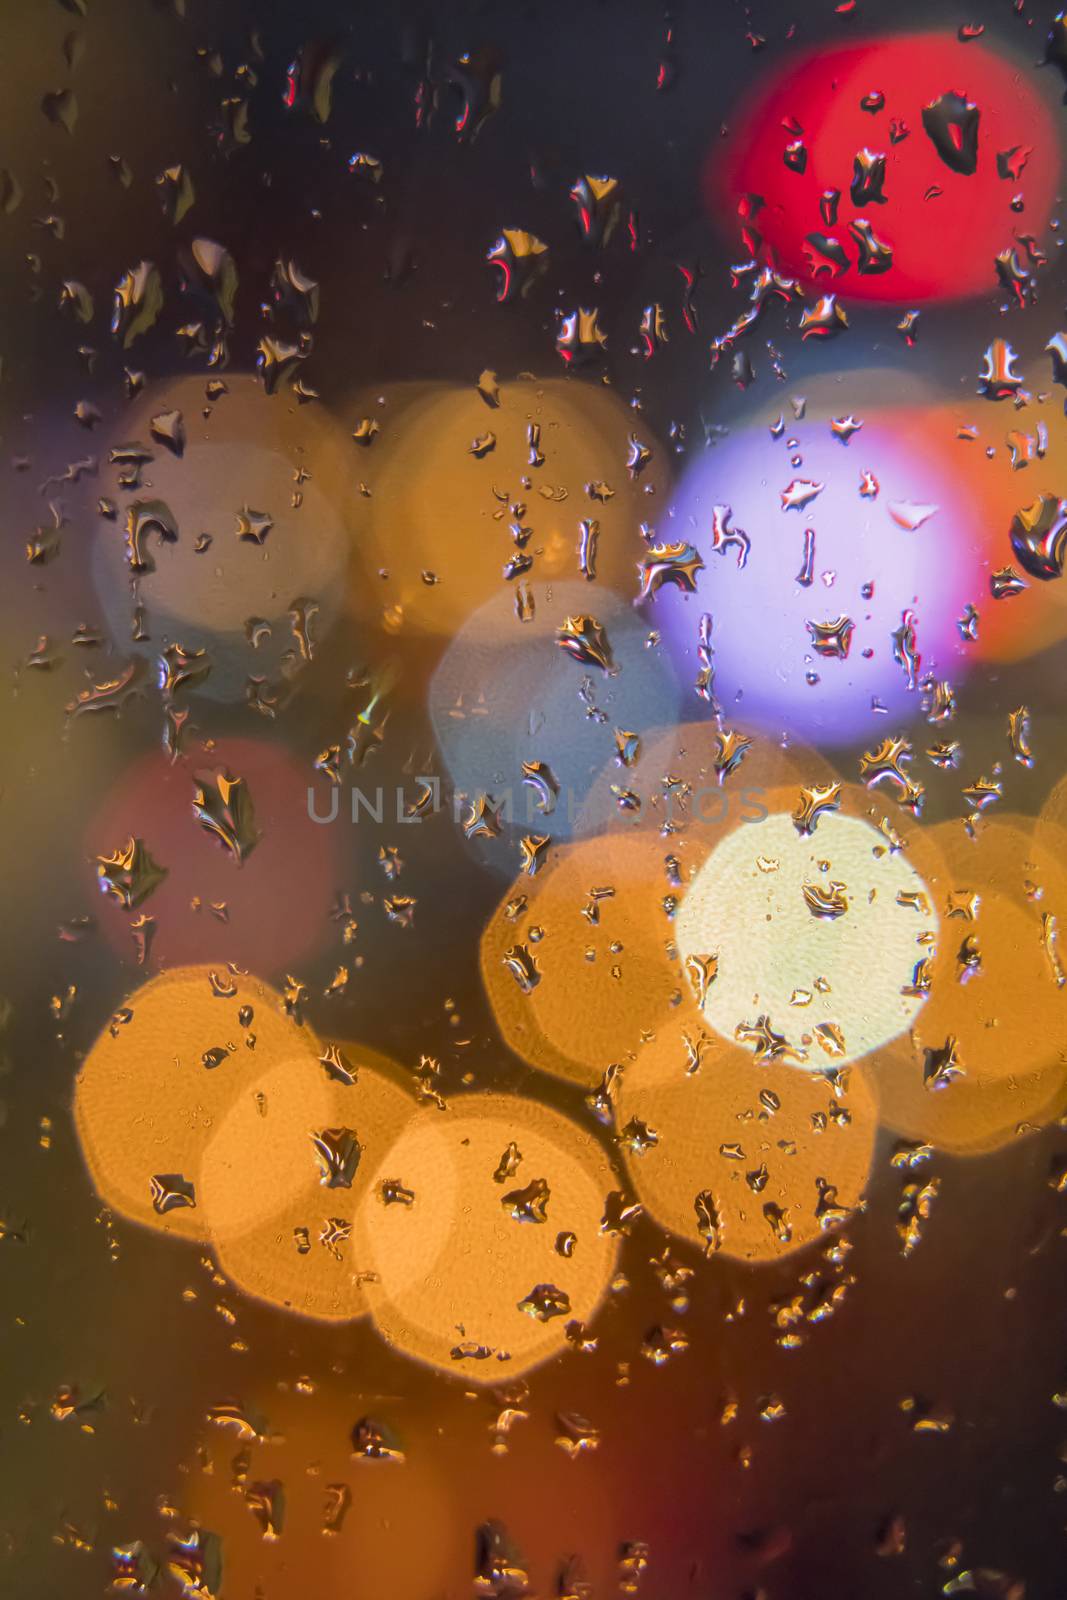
{"x": 577, "y": 961}
{"x": 780, "y": 1156}
{"x": 253, "y": 461}
{"x": 909, "y": 556}
{"x": 819, "y": 931}
{"x": 276, "y": 901}
{"x": 451, "y": 479}
{"x": 465, "y": 1277}
{"x": 506, "y": 694}
{"x": 985, "y": 1061}
{"x": 945, "y": 226}
{"x": 283, "y": 1233}
{"x": 159, "y": 1079}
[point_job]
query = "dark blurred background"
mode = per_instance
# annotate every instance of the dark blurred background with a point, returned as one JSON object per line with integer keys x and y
{"x": 800, "y": 1508}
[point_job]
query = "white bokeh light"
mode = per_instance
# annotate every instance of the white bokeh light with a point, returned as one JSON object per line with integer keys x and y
{"x": 779, "y": 959}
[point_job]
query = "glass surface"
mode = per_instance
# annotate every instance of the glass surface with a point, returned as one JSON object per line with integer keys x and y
{"x": 535, "y": 804}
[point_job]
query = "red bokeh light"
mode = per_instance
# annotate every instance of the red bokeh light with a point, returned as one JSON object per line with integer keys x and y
{"x": 278, "y": 900}
{"x": 944, "y": 244}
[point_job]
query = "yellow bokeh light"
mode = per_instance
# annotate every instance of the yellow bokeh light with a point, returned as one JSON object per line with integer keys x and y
{"x": 435, "y": 525}
{"x": 577, "y": 961}
{"x": 754, "y": 1160}
{"x": 474, "y": 1275}
{"x": 154, "y": 1087}
{"x": 282, "y": 1233}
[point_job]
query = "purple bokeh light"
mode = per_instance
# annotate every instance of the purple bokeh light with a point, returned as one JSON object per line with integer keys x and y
{"x": 865, "y": 566}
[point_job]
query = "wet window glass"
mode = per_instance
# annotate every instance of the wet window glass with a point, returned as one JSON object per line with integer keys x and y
{"x": 533, "y": 1016}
